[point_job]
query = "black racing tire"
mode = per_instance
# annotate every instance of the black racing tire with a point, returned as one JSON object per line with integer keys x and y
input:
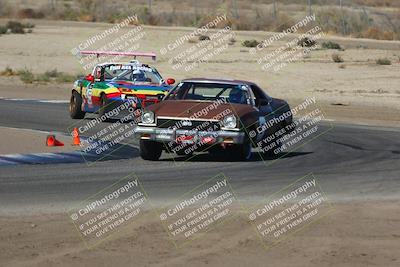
{"x": 241, "y": 152}
{"x": 103, "y": 106}
{"x": 218, "y": 152}
{"x": 75, "y": 106}
{"x": 150, "y": 150}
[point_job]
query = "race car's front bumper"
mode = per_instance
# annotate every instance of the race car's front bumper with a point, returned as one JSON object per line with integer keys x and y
{"x": 179, "y": 135}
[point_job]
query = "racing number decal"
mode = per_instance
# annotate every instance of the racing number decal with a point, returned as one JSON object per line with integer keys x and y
{"x": 89, "y": 94}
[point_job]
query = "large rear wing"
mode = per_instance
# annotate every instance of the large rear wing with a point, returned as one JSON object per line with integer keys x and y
{"x": 115, "y": 53}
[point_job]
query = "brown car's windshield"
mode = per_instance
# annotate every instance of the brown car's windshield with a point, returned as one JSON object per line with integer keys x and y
{"x": 231, "y": 93}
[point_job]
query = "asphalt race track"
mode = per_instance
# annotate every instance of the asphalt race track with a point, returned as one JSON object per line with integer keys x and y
{"x": 349, "y": 161}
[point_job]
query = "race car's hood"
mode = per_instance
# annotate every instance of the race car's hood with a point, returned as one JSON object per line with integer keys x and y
{"x": 199, "y": 110}
{"x": 135, "y": 86}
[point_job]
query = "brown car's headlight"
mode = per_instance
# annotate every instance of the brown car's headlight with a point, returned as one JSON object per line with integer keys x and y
{"x": 147, "y": 117}
{"x": 229, "y": 122}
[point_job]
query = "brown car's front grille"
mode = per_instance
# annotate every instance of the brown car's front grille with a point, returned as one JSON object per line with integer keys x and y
{"x": 188, "y": 124}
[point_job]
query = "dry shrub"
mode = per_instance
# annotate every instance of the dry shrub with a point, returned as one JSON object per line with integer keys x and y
{"x": 86, "y": 18}
{"x": 283, "y": 23}
{"x": 222, "y": 24}
{"x": 263, "y": 21}
{"x": 250, "y": 43}
{"x": 3, "y": 30}
{"x": 30, "y": 13}
{"x": 383, "y": 61}
{"x": 256, "y": 15}
{"x": 6, "y": 9}
{"x": 356, "y": 23}
{"x": 204, "y": 38}
{"x": 375, "y": 33}
{"x": 17, "y": 27}
{"x": 331, "y": 45}
{"x": 8, "y": 72}
{"x": 26, "y": 76}
{"x": 378, "y": 3}
{"x": 342, "y": 21}
{"x": 337, "y": 58}
{"x": 306, "y": 42}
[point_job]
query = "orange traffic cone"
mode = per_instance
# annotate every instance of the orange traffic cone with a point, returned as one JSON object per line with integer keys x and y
{"x": 75, "y": 135}
{"x": 52, "y": 141}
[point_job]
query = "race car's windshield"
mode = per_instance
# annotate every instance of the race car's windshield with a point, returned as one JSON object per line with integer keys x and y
{"x": 132, "y": 73}
{"x": 231, "y": 93}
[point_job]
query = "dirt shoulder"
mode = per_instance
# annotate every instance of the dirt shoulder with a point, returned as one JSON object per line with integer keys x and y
{"x": 31, "y": 141}
{"x": 354, "y": 234}
{"x": 13, "y": 87}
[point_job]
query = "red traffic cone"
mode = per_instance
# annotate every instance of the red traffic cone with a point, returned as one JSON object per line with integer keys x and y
{"x": 52, "y": 141}
{"x": 75, "y": 135}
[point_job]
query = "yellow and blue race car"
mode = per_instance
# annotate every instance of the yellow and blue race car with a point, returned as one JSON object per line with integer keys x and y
{"x": 113, "y": 84}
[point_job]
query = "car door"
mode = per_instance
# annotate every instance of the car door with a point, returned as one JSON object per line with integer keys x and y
{"x": 91, "y": 94}
{"x": 266, "y": 114}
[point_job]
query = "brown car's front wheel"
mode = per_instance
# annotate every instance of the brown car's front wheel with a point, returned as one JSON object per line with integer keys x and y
{"x": 150, "y": 150}
{"x": 242, "y": 151}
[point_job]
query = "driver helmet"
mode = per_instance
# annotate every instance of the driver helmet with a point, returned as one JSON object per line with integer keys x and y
{"x": 236, "y": 95}
{"x": 139, "y": 76}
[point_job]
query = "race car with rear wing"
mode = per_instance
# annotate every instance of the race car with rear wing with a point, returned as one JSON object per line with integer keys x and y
{"x": 113, "y": 84}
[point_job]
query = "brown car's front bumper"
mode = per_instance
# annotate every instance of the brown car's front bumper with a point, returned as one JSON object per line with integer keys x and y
{"x": 171, "y": 135}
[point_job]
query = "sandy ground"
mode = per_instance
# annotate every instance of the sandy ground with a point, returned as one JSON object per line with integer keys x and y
{"x": 13, "y": 87}
{"x": 354, "y": 234}
{"x": 30, "y": 141}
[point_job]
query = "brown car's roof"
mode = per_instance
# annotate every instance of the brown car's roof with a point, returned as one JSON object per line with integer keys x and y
{"x": 224, "y": 81}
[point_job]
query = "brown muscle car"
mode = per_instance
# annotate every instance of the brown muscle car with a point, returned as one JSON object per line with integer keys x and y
{"x": 223, "y": 117}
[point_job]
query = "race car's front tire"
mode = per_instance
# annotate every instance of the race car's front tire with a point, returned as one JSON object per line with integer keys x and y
{"x": 75, "y": 106}
{"x": 103, "y": 106}
{"x": 150, "y": 150}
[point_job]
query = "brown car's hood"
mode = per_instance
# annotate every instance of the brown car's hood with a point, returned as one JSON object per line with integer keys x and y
{"x": 200, "y": 110}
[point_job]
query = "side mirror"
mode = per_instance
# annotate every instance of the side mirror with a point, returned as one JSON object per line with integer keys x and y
{"x": 170, "y": 81}
{"x": 89, "y": 78}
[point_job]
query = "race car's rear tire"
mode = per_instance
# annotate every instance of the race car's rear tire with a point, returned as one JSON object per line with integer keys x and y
{"x": 150, "y": 150}
{"x": 75, "y": 106}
